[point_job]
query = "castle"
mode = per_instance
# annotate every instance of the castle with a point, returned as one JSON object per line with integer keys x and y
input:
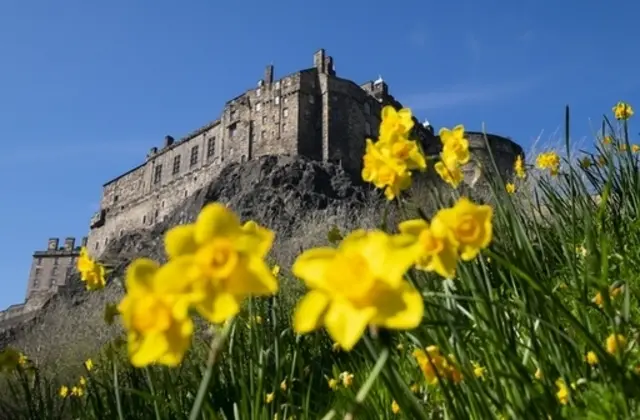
{"x": 312, "y": 113}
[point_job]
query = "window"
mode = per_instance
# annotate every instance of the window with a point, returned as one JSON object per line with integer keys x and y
{"x": 285, "y": 112}
{"x": 157, "y": 175}
{"x": 54, "y": 271}
{"x": 121, "y": 232}
{"x": 367, "y": 128}
{"x": 367, "y": 108}
{"x": 36, "y": 274}
{"x": 258, "y": 106}
{"x": 162, "y": 204}
{"x": 156, "y": 214}
{"x": 284, "y": 127}
{"x": 277, "y": 100}
{"x": 312, "y": 99}
{"x": 194, "y": 156}
{"x": 144, "y": 220}
{"x": 232, "y": 130}
{"x": 263, "y": 135}
{"x": 284, "y": 99}
{"x": 115, "y": 199}
{"x": 264, "y": 119}
{"x": 211, "y": 147}
{"x": 176, "y": 164}
{"x": 277, "y": 86}
{"x": 233, "y": 114}
{"x": 38, "y": 261}
{"x": 258, "y": 92}
{"x": 243, "y": 158}
{"x": 97, "y": 246}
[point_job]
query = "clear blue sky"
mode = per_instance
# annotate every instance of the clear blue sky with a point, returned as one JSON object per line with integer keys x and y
{"x": 87, "y": 87}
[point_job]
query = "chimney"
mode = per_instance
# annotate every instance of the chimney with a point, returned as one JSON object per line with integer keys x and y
{"x": 52, "y": 244}
{"x": 329, "y": 69}
{"x": 84, "y": 241}
{"x": 152, "y": 152}
{"x": 168, "y": 141}
{"x": 268, "y": 74}
{"x": 319, "y": 60}
{"x": 69, "y": 243}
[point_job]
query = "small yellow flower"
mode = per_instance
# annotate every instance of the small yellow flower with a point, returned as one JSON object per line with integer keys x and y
{"x": 333, "y": 383}
{"x": 602, "y": 160}
{"x": 562, "y": 392}
{"x": 437, "y": 244}
{"x": 358, "y": 284}
{"x": 347, "y": 379}
{"x": 615, "y": 343}
{"x": 585, "y": 162}
{"x": 395, "y": 408}
{"x": 283, "y": 385}
{"x": 478, "y": 371}
{"x": 88, "y": 364}
{"x": 435, "y": 366}
{"x": 77, "y": 391}
{"x": 275, "y": 270}
{"x": 518, "y": 167}
{"x": 549, "y": 160}
{"x": 92, "y": 273}
{"x": 449, "y": 171}
{"x": 415, "y": 388}
{"x": 471, "y": 225}
{"x": 258, "y": 319}
{"x": 591, "y": 358}
{"x": 613, "y": 293}
{"x": 581, "y": 251}
{"x": 539, "y": 374}
{"x": 607, "y": 140}
{"x": 64, "y": 391}
{"x": 510, "y": 187}
{"x": 22, "y": 360}
{"x": 400, "y": 347}
{"x": 269, "y": 397}
{"x": 622, "y": 111}
{"x": 454, "y": 145}
{"x": 635, "y": 148}
{"x": 622, "y": 147}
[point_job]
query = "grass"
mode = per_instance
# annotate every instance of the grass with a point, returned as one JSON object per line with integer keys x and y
{"x": 525, "y": 305}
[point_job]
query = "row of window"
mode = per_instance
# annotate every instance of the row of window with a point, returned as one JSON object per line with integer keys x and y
{"x": 193, "y": 160}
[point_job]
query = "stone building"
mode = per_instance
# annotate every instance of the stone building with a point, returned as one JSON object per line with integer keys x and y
{"x": 51, "y": 268}
{"x": 312, "y": 113}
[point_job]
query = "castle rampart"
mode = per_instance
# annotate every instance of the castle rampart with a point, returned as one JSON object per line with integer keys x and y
{"x": 312, "y": 113}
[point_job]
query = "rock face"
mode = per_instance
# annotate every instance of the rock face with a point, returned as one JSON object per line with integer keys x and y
{"x": 280, "y": 192}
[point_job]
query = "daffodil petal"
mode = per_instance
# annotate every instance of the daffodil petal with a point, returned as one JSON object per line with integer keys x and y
{"x": 180, "y": 240}
{"x": 400, "y": 309}
{"x": 312, "y": 265}
{"x": 140, "y": 274}
{"x": 219, "y": 307}
{"x": 149, "y": 349}
{"x": 309, "y": 312}
{"x": 214, "y": 220}
{"x": 413, "y": 227}
{"x": 346, "y": 324}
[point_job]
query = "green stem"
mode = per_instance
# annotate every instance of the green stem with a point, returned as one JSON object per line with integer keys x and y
{"x": 366, "y": 387}
{"x": 214, "y": 352}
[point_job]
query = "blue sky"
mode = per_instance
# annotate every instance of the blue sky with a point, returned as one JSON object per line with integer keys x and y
{"x": 86, "y": 88}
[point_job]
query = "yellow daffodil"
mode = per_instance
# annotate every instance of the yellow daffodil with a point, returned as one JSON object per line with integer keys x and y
{"x": 269, "y": 397}
{"x": 92, "y": 273}
{"x": 591, "y": 358}
{"x": 519, "y": 168}
{"x": 615, "y": 343}
{"x": 562, "y": 392}
{"x": 449, "y": 170}
{"x": 347, "y": 379}
{"x": 358, "y": 284}
{"x": 435, "y": 366}
{"x": 155, "y": 312}
{"x": 395, "y": 408}
{"x": 622, "y": 111}
{"x": 471, "y": 225}
{"x": 438, "y": 247}
{"x": 510, "y": 187}
{"x": 395, "y": 123}
{"x": 64, "y": 391}
{"x": 333, "y": 384}
{"x": 454, "y": 145}
{"x": 88, "y": 364}
{"x": 223, "y": 259}
{"x": 549, "y": 160}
